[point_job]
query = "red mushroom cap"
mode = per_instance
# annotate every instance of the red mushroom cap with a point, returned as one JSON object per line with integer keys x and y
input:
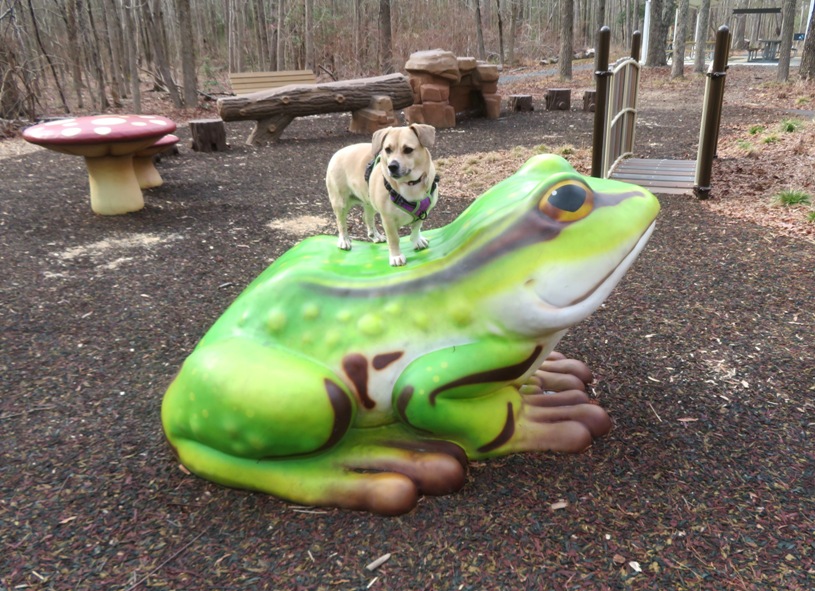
{"x": 98, "y": 129}
{"x": 164, "y": 143}
{"x": 118, "y": 134}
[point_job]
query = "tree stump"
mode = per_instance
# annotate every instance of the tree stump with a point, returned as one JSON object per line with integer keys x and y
{"x": 208, "y": 135}
{"x": 520, "y": 102}
{"x": 589, "y": 100}
{"x": 558, "y": 99}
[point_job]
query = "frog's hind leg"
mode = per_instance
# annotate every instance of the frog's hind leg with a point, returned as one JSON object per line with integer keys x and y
{"x": 262, "y": 418}
{"x": 375, "y": 470}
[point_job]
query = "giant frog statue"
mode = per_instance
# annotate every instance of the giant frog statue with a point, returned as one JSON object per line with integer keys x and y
{"x": 337, "y": 380}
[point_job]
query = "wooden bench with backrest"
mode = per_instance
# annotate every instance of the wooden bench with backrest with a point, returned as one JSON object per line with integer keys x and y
{"x": 370, "y": 100}
{"x": 249, "y": 82}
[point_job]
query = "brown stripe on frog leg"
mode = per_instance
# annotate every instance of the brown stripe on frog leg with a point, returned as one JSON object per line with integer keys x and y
{"x": 343, "y": 414}
{"x": 355, "y": 366}
{"x": 504, "y": 436}
{"x": 499, "y": 374}
{"x": 383, "y": 360}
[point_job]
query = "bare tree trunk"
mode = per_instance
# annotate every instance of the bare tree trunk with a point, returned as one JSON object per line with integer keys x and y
{"x": 92, "y": 51}
{"x": 132, "y": 55}
{"x": 53, "y": 68}
{"x": 479, "y": 31}
{"x": 187, "y": 54}
{"x": 281, "y": 20}
{"x": 11, "y": 96}
{"x": 739, "y": 27}
{"x": 500, "y": 32}
{"x": 385, "y": 38}
{"x": 566, "y": 39}
{"x": 678, "y": 66}
{"x": 701, "y": 37}
{"x": 113, "y": 70}
{"x": 601, "y": 17}
{"x": 807, "y": 69}
{"x": 74, "y": 50}
{"x": 234, "y": 36}
{"x": 262, "y": 34}
{"x": 657, "y": 36}
{"x": 357, "y": 27}
{"x": 514, "y": 8}
{"x": 308, "y": 25}
{"x": 153, "y": 22}
{"x": 787, "y": 26}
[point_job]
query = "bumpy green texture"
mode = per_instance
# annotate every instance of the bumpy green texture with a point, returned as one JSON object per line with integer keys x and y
{"x": 335, "y": 379}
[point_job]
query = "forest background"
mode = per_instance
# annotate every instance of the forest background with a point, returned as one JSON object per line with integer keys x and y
{"x": 74, "y": 56}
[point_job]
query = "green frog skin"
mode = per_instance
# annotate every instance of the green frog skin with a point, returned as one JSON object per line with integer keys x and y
{"x": 335, "y": 379}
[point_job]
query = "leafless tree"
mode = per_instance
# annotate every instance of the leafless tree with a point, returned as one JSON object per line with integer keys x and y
{"x": 807, "y": 69}
{"x": 681, "y": 33}
{"x": 566, "y": 39}
{"x": 787, "y": 29}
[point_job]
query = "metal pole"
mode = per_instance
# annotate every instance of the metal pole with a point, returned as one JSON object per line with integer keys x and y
{"x": 601, "y": 76}
{"x": 711, "y": 115}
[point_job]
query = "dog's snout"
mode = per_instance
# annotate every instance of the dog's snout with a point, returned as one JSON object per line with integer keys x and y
{"x": 393, "y": 167}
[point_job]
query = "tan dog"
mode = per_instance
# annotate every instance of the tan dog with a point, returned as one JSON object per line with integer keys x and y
{"x": 402, "y": 186}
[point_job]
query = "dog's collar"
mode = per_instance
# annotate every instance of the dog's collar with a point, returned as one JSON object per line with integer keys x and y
{"x": 417, "y": 210}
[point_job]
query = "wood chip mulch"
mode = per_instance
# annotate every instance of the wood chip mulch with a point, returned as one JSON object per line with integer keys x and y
{"x": 704, "y": 357}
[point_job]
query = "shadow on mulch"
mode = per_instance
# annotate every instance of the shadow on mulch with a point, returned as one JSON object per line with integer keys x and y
{"x": 703, "y": 357}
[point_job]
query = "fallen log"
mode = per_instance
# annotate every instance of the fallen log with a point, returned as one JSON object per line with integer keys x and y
{"x": 274, "y": 109}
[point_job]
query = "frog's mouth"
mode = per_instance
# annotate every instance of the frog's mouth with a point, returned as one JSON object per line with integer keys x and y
{"x": 541, "y": 312}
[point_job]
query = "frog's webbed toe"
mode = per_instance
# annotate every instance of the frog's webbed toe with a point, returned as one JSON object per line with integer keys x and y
{"x": 389, "y": 477}
{"x": 555, "y": 413}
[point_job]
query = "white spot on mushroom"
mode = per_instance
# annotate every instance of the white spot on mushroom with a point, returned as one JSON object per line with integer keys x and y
{"x": 102, "y": 130}
{"x": 71, "y": 131}
{"x": 109, "y": 121}
{"x": 139, "y": 124}
{"x": 158, "y": 122}
{"x": 40, "y": 133}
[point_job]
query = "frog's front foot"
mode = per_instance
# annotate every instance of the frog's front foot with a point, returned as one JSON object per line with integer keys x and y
{"x": 556, "y": 412}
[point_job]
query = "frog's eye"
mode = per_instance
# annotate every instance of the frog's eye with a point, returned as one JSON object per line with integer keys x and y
{"x": 567, "y": 201}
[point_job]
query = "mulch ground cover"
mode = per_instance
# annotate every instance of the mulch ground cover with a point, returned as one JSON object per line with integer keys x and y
{"x": 703, "y": 356}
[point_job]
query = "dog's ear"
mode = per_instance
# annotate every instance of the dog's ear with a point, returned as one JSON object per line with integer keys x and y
{"x": 378, "y": 140}
{"x": 425, "y": 133}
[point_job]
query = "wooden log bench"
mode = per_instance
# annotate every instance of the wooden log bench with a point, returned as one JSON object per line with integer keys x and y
{"x": 274, "y": 109}
{"x": 249, "y": 82}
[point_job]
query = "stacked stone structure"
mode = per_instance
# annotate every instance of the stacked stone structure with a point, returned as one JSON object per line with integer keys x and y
{"x": 445, "y": 85}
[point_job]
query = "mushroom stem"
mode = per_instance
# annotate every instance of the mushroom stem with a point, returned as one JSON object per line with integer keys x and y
{"x": 146, "y": 172}
{"x": 114, "y": 187}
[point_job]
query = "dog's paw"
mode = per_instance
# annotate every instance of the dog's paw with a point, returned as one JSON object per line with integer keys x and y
{"x": 376, "y": 237}
{"x": 421, "y": 243}
{"x": 344, "y": 243}
{"x": 398, "y": 260}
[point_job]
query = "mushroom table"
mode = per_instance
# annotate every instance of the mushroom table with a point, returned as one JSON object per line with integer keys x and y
{"x": 144, "y": 162}
{"x": 108, "y": 143}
